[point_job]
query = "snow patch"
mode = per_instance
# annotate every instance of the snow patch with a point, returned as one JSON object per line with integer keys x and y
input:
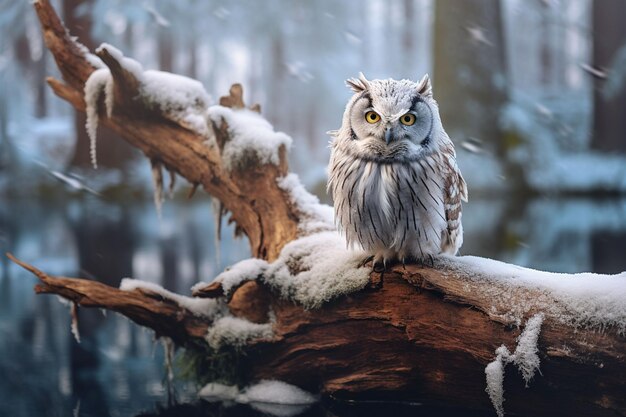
{"x": 317, "y": 217}
{"x": 128, "y": 64}
{"x": 219, "y": 392}
{"x": 525, "y": 358}
{"x": 233, "y": 277}
{"x": 252, "y": 138}
{"x": 310, "y": 270}
{"x": 236, "y": 332}
{"x": 586, "y": 299}
{"x": 181, "y": 99}
{"x": 201, "y": 307}
{"x": 315, "y": 269}
{"x": 94, "y": 60}
{"x": 269, "y": 396}
{"x": 277, "y": 392}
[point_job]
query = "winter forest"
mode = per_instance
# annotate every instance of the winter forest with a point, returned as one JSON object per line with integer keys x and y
{"x": 532, "y": 93}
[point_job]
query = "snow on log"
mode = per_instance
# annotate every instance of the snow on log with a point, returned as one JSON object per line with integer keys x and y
{"x": 305, "y": 311}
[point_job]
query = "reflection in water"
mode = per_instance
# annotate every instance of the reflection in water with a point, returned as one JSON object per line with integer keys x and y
{"x": 117, "y": 369}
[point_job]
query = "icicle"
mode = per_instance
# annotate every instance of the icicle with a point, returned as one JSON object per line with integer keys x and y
{"x": 218, "y": 214}
{"x": 157, "y": 179}
{"x": 170, "y": 191}
{"x": 193, "y": 190}
{"x": 74, "y": 327}
{"x": 98, "y": 81}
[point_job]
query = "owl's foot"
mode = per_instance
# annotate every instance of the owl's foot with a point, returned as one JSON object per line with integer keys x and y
{"x": 365, "y": 261}
{"x": 427, "y": 261}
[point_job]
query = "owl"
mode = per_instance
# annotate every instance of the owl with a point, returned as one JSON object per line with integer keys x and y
{"x": 393, "y": 176}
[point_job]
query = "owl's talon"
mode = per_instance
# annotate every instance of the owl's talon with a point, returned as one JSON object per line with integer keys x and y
{"x": 379, "y": 267}
{"x": 365, "y": 261}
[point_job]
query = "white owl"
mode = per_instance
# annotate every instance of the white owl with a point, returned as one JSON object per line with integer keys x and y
{"x": 393, "y": 176}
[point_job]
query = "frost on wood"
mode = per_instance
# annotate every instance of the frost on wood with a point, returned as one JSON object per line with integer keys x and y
{"x": 525, "y": 358}
{"x": 495, "y": 385}
{"x": 252, "y": 139}
{"x": 586, "y": 299}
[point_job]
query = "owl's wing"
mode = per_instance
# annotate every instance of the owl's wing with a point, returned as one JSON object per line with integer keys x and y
{"x": 455, "y": 191}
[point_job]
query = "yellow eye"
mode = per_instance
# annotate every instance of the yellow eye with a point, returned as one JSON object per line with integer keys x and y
{"x": 372, "y": 117}
{"x": 408, "y": 119}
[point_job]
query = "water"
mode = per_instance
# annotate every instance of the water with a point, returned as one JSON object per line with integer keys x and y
{"x": 117, "y": 369}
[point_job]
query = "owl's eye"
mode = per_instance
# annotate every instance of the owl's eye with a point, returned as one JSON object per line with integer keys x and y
{"x": 372, "y": 117}
{"x": 408, "y": 119}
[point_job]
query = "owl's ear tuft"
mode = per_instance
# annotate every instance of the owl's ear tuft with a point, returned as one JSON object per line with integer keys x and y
{"x": 358, "y": 84}
{"x": 424, "y": 87}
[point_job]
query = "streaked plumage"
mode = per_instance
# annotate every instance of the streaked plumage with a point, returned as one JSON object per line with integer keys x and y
{"x": 396, "y": 187}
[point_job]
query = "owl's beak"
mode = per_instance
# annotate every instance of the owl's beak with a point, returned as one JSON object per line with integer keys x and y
{"x": 388, "y": 136}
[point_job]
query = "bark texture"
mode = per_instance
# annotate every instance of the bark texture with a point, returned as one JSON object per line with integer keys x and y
{"x": 423, "y": 333}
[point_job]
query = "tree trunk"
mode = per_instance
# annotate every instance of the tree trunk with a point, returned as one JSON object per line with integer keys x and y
{"x": 415, "y": 333}
{"x": 470, "y": 75}
{"x": 609, "y": 114}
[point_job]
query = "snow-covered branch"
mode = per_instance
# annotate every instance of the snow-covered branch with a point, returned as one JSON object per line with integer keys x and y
{"x": 231, "y": 151}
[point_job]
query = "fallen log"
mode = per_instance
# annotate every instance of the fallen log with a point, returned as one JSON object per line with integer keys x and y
{"x": 456, "y": 333}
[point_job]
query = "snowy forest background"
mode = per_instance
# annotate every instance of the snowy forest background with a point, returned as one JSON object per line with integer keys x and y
{"x": 532, "y": 92}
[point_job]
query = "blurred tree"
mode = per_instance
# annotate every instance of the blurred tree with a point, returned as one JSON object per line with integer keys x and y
{"x": 166, "y": 49}
{"x": 409, "y": 37}
{"x": 469, "y": 77}
{"x": 609, "y": 113}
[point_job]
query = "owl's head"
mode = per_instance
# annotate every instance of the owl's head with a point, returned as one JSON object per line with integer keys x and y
{"x": 391, "y": 120}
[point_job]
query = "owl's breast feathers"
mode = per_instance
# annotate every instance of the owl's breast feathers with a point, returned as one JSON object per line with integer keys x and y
{"x": 399, "y": 210}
